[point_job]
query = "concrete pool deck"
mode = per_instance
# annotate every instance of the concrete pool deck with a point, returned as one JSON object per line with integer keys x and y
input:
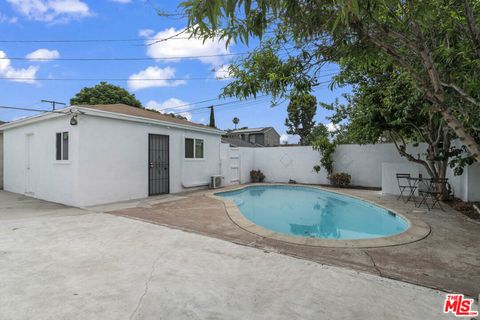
{"x": 59, "y": 262}
{"x": 447, "y": 259}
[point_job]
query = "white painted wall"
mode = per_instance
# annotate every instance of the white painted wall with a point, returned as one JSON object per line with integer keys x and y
{"x": 1, "y": 161}
{"x": 363, "y": 162}
{"x": 389, "y": 178}
{"x": 473, "y": 183}
{"x": 114, "y": 159}
{"x": 247, "y": 163}
{"x": 280, "y": 164}
{"x": 108, "y": 160}
{"x": 50, "y": 179}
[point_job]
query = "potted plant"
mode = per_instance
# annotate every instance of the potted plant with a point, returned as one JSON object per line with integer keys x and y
{"x": 257, "y": 176}
{"x": 340, "y": 179}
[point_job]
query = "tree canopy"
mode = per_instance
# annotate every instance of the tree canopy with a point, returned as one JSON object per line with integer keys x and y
{"x": 435, "y": 42}
{"x": 235, "y": 121}
{"x": 301, "y": 111}
{"x": 105, "y": 93}
{"x": 385, "y": 106}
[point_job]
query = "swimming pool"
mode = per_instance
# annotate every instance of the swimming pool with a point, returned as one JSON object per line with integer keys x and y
{"x": 313, "y": 213}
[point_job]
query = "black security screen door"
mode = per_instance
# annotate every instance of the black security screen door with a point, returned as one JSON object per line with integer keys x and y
{"x": 158, "y": 164}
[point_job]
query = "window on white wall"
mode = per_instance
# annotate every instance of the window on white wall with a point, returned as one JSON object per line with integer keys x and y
{"x": 194, "y": 148}
{"x": 62, "y": 139}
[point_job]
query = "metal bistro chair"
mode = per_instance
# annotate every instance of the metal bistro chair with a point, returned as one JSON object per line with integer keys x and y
{"x": 405, "y": 185}
{"x": 429, "y": 189}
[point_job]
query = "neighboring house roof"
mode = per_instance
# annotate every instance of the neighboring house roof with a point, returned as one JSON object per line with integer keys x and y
{"x": 251, "y": 130}
{"x": 234, "y": 142}
{"x": 116, "y": 111}
{"x": 140, "y": 112}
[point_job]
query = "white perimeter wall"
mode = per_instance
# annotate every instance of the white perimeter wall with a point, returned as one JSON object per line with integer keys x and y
{"x": 1, "y": 161}
{"x": 114, "y": 159}
{"x": 49, "y": 179}
{"x": 362, "y": 162}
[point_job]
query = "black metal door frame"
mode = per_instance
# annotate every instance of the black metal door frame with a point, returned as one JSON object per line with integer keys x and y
{"x": 156, "y": 149}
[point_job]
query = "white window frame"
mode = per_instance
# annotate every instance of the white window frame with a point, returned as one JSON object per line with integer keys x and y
{"x": 194, "y": 149}
{"x": 62, "y": 160}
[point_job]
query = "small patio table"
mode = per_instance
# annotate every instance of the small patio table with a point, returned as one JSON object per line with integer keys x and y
{"x": 413, "y": 182}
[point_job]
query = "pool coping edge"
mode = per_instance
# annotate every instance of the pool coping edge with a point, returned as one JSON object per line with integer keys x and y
{"x": 417, "y": 230}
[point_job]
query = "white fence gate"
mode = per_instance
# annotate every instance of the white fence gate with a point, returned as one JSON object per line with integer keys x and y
{"x": 234, "y": 165}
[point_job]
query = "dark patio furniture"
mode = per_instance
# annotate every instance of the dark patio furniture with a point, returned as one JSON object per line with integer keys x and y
{"x": 430, "y": 189}
{"x": 406, "y": 185}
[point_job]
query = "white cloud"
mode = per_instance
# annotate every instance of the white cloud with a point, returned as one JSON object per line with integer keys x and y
{"x": 172, "y": 105}
{"x": 146, "y": 33}
{"x": 168, "y": 104}
{"x": 222, "y": 72}
{"x": 51, "y": 10}
{"x": 284, "y": 138}
{"x": 6, "y": 19}
{"x": 43, "y": 54}
{"x": 7, "y": 71}
{"x": 154, "y": 77}
{"x": 332, "y": 127}
{"x": 186, "y": 47}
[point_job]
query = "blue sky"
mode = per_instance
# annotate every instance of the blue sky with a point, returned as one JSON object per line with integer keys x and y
{"x": 120, "y": 19}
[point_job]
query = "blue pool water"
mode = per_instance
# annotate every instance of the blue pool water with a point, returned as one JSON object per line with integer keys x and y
{"x": 309, "y": 212}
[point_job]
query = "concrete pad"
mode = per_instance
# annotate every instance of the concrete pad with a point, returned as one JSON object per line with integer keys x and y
{"x": 100, "y": 266}
{"x": 447, "y": 259}
{"x": 137, "y": 203}
{"x": 17, "y": 206}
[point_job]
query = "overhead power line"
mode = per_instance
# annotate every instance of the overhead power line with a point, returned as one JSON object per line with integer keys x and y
{"x": 126, "y": 59}
{"x": 155, "y": 40}
{"x": 203, "y": 101}
{"x": 222, "y": 104}
{"x": 130, "y": 79}
{"x": 90, "y": 40}
{"x": 104, "y": 79}
{"x": 188, "y": 104}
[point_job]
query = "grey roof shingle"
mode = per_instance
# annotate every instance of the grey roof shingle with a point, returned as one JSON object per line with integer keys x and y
{"x": 239, "y": 143}
{"x": 144, "y": 113}
{"x": 250, "y": 130}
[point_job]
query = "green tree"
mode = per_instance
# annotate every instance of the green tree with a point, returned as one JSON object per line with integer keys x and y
{"x": 436, "y": 42}
{"x": 386, "y": 105}
{"x": 105, "y": 93}
{"x": 235, "y": 121}
{"x": 321, "y": 141}
{"x": 301, "y": 111}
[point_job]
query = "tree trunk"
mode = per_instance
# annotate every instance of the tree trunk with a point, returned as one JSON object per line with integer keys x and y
{"x": 462, "y": 134}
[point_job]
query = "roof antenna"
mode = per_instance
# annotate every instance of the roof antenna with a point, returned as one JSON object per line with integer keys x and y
{"x": 54, "y": 103}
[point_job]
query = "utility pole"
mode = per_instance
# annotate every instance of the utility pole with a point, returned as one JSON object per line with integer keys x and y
{"x": 54, "y": 103}
{"x": 212, "y": 117}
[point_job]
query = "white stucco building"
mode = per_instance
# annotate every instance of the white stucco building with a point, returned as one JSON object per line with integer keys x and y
{"x": 90, "y": 155}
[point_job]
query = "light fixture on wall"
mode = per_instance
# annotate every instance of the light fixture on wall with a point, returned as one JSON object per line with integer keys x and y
{"x": 73, "y": 120}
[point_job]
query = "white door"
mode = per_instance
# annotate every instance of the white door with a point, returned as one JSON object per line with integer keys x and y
{"x": 234, "y": 165}
{"x": 28, "y": 163}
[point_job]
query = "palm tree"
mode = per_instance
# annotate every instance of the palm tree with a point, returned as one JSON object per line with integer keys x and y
{"x": 235, "y": 122}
